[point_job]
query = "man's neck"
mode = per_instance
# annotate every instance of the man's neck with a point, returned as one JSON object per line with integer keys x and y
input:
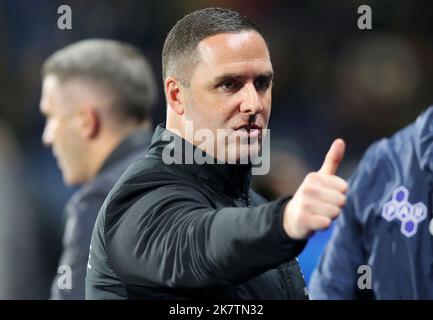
{"x": 106, "y": 145}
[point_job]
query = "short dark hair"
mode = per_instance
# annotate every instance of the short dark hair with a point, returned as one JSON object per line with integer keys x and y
{"x": 117, "y": 65}
{"x": 179, "y": 55}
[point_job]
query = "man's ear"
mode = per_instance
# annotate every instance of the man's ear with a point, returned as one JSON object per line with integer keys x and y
{"x": 174, "y": 95}
{"x": 89, "y": 121}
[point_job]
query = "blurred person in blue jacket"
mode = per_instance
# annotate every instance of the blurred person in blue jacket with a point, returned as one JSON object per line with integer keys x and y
{"x": 382, "y": 244}
{"x": 96, "y": 96}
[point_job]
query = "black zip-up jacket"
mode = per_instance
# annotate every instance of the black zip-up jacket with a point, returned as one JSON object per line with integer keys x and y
{"x": 189, "y": 231}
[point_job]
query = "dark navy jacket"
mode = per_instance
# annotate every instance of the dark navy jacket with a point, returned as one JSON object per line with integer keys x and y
{"x": 386, "y": 224}
{"x": 82, "y": 210}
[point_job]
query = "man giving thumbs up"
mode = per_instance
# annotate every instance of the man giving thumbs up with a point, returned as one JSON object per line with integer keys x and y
{"x": 197, "y": 230}
{"x": 319, "y": 198}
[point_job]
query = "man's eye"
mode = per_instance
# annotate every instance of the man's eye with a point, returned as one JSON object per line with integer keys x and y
{"x": 262, "y": 84}
{"x": 229, "y": 85}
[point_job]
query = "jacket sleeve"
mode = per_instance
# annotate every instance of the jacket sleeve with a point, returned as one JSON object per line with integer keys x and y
{"x": 336, "y": 276}
{"x": 173, "y": 238}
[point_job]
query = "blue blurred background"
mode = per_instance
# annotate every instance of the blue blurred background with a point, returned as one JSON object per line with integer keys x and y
{"x": 332, "y": 80}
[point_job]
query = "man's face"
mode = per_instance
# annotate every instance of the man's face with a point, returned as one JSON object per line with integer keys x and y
{"x": 230, "y": 89}
{"x": 61, "y": 130}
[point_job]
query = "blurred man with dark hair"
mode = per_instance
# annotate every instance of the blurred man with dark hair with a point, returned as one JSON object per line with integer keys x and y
{"x": 97, "y": 97}
{"x": 194, "y": 229}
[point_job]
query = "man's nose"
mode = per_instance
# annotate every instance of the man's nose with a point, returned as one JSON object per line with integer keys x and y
{"x": 251, "y": 102}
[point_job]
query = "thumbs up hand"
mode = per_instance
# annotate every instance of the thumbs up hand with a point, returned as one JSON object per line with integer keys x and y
{"x": 318, "y": 199}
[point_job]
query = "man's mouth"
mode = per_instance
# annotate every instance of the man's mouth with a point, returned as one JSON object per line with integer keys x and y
{"x": 250, "y": 129}
{"x": 56, "y": 156}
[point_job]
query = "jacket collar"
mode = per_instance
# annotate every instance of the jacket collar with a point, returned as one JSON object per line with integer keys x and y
{"x": 138, "y": 140}
{"x": 233, "y": 179}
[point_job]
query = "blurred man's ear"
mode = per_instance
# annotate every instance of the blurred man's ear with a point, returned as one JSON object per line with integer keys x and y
{"x": 89, "y": 121}
{"x": 174, "y": 95}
